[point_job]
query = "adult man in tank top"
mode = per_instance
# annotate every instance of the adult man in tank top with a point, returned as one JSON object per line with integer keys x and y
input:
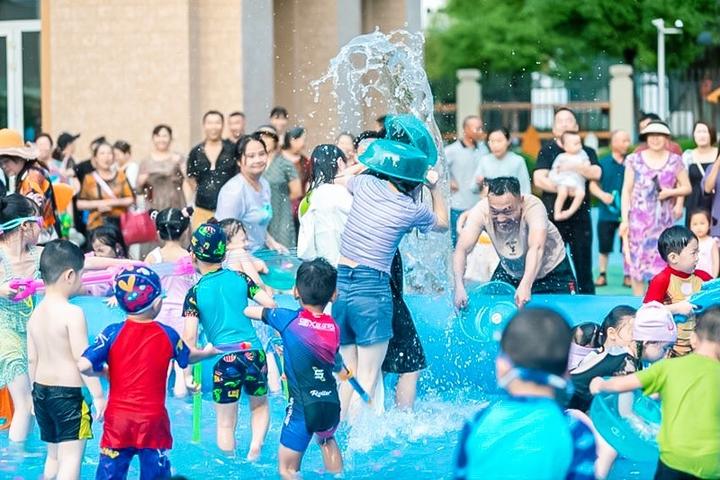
{"x": 531, "y": 250}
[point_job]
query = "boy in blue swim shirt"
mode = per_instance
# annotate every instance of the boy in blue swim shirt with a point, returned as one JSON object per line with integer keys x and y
{"x": 526, "y": 434}
{"x": 311, "y": 341}
{"x": 216, "y": 303}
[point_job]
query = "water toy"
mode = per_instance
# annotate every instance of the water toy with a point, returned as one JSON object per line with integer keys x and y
{"x": 490, "y": 308}
{"x": 632, "y": 436}
{"x": 281, "y": 269}
{"x": 397, "y": 160}
{"x": 63, "y": 196}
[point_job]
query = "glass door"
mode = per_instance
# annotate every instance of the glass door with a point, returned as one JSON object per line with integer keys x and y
{"x": 20, "y": 76}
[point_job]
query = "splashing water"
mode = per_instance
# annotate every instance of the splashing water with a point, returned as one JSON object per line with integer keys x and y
{"x": 387, "y": 70}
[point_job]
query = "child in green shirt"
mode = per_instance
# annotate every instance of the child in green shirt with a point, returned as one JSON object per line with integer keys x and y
{"x": 689, "y": 389}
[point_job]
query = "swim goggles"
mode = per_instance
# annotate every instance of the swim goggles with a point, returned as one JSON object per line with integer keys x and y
{"x": 15, "y": 223}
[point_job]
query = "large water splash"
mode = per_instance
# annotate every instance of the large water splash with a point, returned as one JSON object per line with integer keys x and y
{"x": 386, "y": 72}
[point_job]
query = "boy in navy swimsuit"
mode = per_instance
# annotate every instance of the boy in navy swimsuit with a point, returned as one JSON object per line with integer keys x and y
{"x": 311, "y": 341}
{"x": 136, "y": 353}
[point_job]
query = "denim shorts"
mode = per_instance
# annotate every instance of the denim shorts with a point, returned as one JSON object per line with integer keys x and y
{"x": 364, "y": 308}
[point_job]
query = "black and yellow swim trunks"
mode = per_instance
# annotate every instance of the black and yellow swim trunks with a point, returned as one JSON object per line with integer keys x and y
{"x": 62, "y": 413}
{"x": 240, "y": 371}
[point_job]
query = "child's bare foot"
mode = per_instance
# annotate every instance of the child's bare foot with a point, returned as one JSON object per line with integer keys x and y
{"x": 253, "y": 454}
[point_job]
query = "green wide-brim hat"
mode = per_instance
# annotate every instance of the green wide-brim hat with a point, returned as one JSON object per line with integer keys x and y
{"x": 409, "y": 129}
{"x": 396, "y": 160}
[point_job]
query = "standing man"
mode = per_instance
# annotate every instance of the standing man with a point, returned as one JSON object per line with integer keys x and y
{"x": 608, "y": 192}
{"x": 210, "y": 164}
{"x": 279, "y": 121}
{"x": 531, "y": 250}
{"x": 236, "y": 126}
{"x": 463, "y": 157}
{"x": 576, "y": 231}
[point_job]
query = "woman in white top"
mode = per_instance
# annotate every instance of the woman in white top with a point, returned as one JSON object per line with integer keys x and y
{"x": 698, "y": 160}
{"x": 324, "y": 210}
{"x": 501, "y": 162}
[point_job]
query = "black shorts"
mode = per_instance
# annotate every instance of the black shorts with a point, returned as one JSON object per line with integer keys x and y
{"x": 559, "y": 280}
{"x": 239, "y": 371}
{"x": 62, "y": 413}
{"x": 663, "y": 472}
{"x": 405, "y": 352}
{"x": 606, "y": 236}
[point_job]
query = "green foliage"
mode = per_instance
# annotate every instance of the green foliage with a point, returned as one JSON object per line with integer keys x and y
{"x": 563, "y": 35}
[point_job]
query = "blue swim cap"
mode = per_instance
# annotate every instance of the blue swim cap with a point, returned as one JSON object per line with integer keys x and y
{"x": 136, "y": 288}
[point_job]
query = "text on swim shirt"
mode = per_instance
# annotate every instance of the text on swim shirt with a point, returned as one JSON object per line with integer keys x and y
{"x": 322, "y": 326}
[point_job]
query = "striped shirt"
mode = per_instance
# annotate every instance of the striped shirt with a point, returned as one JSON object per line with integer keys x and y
{"x": 378, "y": 220}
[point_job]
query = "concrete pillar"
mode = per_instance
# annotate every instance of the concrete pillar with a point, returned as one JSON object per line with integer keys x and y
{"x": 468, "y": 96}
{"x": 622, "y": 105}
{"x": 258, "y": 64}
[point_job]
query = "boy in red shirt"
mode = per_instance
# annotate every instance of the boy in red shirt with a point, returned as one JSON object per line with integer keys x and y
{"x": 137, "y": 353}
{"x": 678, "y": 246}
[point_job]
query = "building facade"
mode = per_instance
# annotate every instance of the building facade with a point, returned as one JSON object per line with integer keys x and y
{"x": 119, "y": 67}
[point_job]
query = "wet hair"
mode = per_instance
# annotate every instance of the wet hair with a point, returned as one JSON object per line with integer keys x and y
{"x": 16, "y": 206}
{"x": 237, "y": 114}
{"x": 539, "y": 339}
{"x": 213, "y": 112}
{"x": 171, "y": 223}
{"x": 123, "y": 146}
{"x": 242, "y": 144}
{"x": 701, "y": 211}
{"x": 315, "y": 282}
{"x": 279, "y": 112}
{"x": 674, "y": 240}
{"x": 159, "y": 128}
{"x": 707, "y": 327}
{"x": 58, "y": 257}
{"x": 96, "y": 147}
{"x": 292, "y": 134}
{"x": 325, "y": 161}
{"x": 365, "y": 135}
{"x": 45, "y": 135}
{"x": 711, "y": 131}
{"x": 503, "y": 130}
{"x": 501, "y": 185}
{"x": 614, "y": 319}
{"x": 586, "y": 335}
{"x": 110, "y": 235}
{"x": 231, "y": 227}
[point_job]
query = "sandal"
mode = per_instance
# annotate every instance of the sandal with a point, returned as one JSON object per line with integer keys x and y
{"x": 626, "y": 281}
{"x": 601, "y": 280}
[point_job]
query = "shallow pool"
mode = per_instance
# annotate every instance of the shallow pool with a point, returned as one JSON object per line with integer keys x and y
{"x": 398, "y": 445}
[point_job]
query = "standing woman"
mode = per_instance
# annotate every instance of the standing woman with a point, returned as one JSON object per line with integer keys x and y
{"x": 324, "y": 210}
{"x": 346, "y": 142}
{"x": 105, "y": 193}
{"x": 697, "y": 161}
{"x": 123, "y": 159}
{"x": 654, "y": 189}
{"x": 285, "y": 187}
{"x": 385, "y": 207}
{"x": 63, "y": 163}
{"x": 246, "y": 196}
{"x": 293, "y": 149}
{"x": 501, "y": 162}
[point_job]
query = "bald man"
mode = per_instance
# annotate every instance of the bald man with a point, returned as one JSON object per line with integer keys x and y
{"x": 607, "y": 190}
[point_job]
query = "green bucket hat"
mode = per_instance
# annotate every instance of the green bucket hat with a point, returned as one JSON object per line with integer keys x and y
{"x": 408, "y": 129}
{"x": 396, "y": 160}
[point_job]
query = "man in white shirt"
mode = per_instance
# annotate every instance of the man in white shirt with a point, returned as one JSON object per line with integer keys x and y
{"x": 463, "y": 157}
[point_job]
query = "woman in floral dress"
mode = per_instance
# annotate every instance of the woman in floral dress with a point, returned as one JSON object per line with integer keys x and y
{"x": 654, "y": 189}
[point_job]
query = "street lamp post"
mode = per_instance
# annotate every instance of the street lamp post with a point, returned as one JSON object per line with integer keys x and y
{"x": 659, "y": 23}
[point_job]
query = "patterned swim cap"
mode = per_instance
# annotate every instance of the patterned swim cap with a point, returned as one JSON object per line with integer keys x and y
{"x": 136, "y": 288}
{"x": 209, "y": 243}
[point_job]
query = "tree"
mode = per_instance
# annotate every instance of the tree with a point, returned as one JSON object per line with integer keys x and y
{"x": 563, "y": 35}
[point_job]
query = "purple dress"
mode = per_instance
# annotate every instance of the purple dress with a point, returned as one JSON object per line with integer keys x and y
{"x": 648, "y": 216}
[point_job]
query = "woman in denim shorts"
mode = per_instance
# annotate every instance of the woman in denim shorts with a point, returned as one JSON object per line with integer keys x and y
{"x": 385, "y": 207}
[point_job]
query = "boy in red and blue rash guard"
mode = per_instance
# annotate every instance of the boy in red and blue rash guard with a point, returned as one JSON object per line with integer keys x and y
{"x": 137, "y": 353}
{"x": 311, "y": 341}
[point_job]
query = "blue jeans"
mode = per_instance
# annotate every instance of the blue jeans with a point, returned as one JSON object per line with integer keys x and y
{"x": 363, "y": 309}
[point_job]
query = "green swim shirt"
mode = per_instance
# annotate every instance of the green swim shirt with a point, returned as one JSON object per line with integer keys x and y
{"x": 689, "y": 389}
